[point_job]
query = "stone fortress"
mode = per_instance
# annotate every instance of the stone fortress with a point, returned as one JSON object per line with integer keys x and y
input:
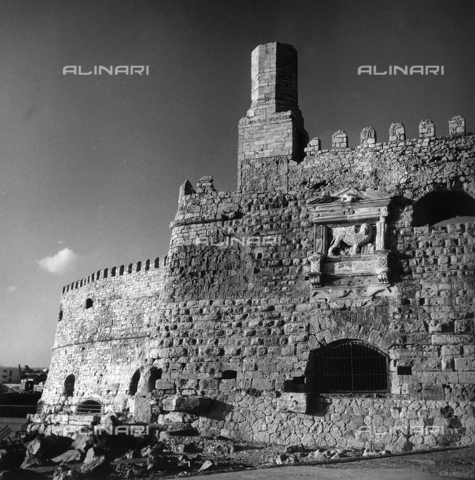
{"x": 318, "y": 304}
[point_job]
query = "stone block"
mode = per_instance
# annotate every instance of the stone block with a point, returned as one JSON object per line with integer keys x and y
{"x": 293, "y": 402}
{"x": 426, "y": 129}
{"x": 142, "y": 409}
{"x": 179, "y": 403}
{"x": 457, "y": 125}
{"x": 464, "y": 364}
{"x": 368, "y": 136}
{"x": 340, "y": 139}
{"x": 397, "y": 132}
{"x": 164, "y": 385}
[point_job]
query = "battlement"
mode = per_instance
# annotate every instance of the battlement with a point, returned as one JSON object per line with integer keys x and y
{"x": 140, "y": 266}
{"x": 397, "y": 136}
{"x": 272, "y": 137}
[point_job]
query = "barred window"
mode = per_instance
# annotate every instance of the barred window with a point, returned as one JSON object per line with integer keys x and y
{"x": 350, "y": 366}
{"x": 89, "y": 407}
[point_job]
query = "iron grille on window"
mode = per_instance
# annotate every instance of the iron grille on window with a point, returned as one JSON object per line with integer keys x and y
{"x": 89, "y": 407}
{"x": 351, "y": 367}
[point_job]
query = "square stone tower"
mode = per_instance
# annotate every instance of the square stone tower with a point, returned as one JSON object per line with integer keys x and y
{"x": 272, "y": 133}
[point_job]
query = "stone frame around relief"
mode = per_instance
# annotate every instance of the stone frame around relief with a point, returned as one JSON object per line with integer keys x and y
{"x": 340, "y": 220}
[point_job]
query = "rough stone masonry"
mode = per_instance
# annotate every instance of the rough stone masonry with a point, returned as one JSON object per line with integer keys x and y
{"x": 321, "y": 303}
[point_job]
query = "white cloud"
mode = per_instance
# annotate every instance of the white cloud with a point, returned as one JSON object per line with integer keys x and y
{"x": 60, "y": 262}
{"x": 10, "y": 289}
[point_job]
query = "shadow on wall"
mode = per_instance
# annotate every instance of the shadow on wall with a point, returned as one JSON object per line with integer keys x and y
{"x": 441, "y": 208}
{"x": 219, "y": 411}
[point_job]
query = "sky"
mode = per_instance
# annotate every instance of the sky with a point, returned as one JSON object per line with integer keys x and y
{"x": 91, "y": 165}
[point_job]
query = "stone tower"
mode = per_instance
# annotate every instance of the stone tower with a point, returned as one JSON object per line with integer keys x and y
{"x": 272, "y": 133}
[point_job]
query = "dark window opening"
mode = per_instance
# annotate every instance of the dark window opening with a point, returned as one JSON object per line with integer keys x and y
{"x": 113, "y": 271}
{"x": 89, "y": 303}
{"x": 130, "y": 269}
{"x": 139, "y": 266}
{"x": 229, "y": 374}
{"x": 348, "y": 366}
{"x": 134, "y": 383}
{"x": 404, "y": 370}
{"x": 89, "y": 407}
{"x": 69, "y": 385}
{"x": 157, "y": 262}
{"x": 155, "y": 374}
{"x": 60, "y": 316}
{"x": 121, "y": 270}
{"x": 445, "y": 207}
{"x": 147, "y": 265}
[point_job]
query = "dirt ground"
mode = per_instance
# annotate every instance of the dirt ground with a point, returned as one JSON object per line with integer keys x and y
{"x": 259, "y": 462}
{"x": 456, "y": 463}
{"x": 442, "y": 463}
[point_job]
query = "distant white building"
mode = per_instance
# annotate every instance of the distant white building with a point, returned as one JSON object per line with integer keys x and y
{"x": 10, "y": 374}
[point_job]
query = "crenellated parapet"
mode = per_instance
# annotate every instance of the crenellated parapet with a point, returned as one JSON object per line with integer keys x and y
{"x": 409, "y": 168}
{"x": 132, "y": 268}
{"x": 397, "y": 134}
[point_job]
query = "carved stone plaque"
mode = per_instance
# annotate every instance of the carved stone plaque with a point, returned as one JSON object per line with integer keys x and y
{"x": 350, "y": 236}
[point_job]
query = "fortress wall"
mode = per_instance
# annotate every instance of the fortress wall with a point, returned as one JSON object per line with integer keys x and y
{"x": 242, "y": 321}
{"x": 426, "y": 322}
{"x": 426, "y": 318}
{"x": 410, "y": 168}
{"x": 380, "y": 423}
{"x": 103, "y": 345}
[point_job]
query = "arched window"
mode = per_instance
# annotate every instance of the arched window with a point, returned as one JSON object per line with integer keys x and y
{"x": 155, "y": 374}
{"x": 436, "y": 207}
{"x": 134, "y": 383}
{"x": 89, "y": 407}
{"x": 69, "y": 385}
{"x": 348, "y": 366}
